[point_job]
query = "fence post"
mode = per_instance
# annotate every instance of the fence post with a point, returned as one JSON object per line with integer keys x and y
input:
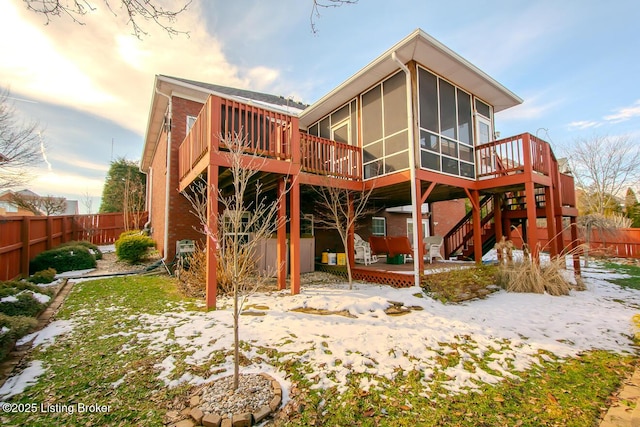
{"x": 24, "y": 254}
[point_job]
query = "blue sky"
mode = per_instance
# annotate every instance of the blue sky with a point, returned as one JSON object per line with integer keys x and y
{"x": 575, "y": 64}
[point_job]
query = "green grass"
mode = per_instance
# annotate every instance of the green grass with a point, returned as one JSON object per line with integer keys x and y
{"x": 632, "y": 282}
{"x": 571, "y": 393}
{"x": 82, "y": 365}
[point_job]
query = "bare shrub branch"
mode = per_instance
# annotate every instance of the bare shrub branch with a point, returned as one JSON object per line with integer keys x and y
{"x": 324, "y": 4}
{"x": 137, "y": 11}
{"x": 247, "y": 217}
{"x": 20, "y": 146}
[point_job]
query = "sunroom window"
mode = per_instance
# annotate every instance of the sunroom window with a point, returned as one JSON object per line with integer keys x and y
{"x": 446, "y": 126}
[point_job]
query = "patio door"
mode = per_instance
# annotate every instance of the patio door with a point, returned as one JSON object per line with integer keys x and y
{"x": 425, "y": 229}
{"x": 486, "y": 162}
{"x": 342, "y": 161}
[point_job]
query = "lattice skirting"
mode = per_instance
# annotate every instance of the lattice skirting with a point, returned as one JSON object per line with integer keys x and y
{"x": 397, "y": 280}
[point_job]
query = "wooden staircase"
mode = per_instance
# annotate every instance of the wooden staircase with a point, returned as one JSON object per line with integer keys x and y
{"x": 459, "y": 241}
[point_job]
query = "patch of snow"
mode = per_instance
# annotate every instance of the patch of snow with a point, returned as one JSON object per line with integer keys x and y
{"x": 4, "y": 330}
{"x": 74, "y": 273}
{"x": 10, "y": 298}
{"x": 42, "y": 299}
{"x": 47, "y": 335}
{"x": 19, "y": 383}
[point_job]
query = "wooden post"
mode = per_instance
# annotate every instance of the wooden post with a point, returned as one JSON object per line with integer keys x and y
{"x": 294, "y": 237}
{"x": 25, "y": 255}
{"x": 477, "y": 226}
{"x": 574, "y": 246}
{"x": 531, "y": 224}
{"x": 350, "y": 249}
{"x": 551, "y": 223}
{"x": 497, "y": 216}
{"x": 212, "y": 227}
{"x": 420, "y": 232}
{"x": 281, "y": 255}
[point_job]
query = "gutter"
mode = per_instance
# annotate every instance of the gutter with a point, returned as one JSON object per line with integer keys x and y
{"x": 169, "y": 118}
{"x": 412, "y": 171}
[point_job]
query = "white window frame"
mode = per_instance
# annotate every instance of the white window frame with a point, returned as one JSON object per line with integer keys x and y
{"x": 384, "y": 225}
{"x": 191, "y": 120}
{"x": 425, "y": 229}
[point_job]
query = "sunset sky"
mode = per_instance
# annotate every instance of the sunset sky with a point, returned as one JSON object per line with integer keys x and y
{"x": 576, "y": 64}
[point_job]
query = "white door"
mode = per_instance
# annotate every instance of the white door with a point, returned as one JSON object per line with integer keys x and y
{"x": 486, "y": 158}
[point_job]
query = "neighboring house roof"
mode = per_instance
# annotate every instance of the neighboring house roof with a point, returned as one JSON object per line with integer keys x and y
{"x": 199, "y": 91}
{"x": 427, "y": 51}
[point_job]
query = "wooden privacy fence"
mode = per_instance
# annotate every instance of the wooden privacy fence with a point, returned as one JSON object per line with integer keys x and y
{"x": 623, "y": 243}
{"x": 24, "y": 237}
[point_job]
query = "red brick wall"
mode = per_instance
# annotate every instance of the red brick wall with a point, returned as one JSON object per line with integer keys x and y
{"x": 157, "y": 191}
{"x": 446, "y": 214}
{"x": 181, "y": 221}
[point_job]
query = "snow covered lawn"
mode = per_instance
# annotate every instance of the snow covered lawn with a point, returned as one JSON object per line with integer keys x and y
{"x": 454, "y": 349}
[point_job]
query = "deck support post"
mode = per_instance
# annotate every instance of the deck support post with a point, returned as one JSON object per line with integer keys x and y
{"x": 418, "y": 225}
{"x": 212, "y": 227}
{"x": 350, "y": 249}
{"x": 497, "y": 216}
{"x": 552, "y": 233}
{"x": 294, "y": 236}
{"x": 281, "y": 250}
{"x": 477, "y": 226}
{"x": 531, "y": 223}
{"x": 574, "y": 246}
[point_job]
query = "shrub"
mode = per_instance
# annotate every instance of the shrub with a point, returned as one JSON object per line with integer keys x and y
{"x": 529, "y": 276}
{"x": 11, "y": 329}
{"x": 43, "y": 276}
{"x": 133, "y": 247}
{"x": 461, "y": 284}
{"x": 95, "y": 250}
{"x": 21, "y": 304}
{"x": 12, "y": 287}
{"x": 66, "y": 258}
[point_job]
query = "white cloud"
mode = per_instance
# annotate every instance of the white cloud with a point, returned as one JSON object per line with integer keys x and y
{"x": 584, "y": 124}
{"x": 625, "y": 113}
{"x": 534, "y": 107}
{"x": 101, "y": 69}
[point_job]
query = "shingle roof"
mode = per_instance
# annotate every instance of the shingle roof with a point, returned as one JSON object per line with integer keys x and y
{"x": 242, "y": 93}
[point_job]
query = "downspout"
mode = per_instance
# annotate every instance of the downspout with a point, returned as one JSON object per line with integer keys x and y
{"x": 412, "y": 171}
{"x": 168, "y": 180}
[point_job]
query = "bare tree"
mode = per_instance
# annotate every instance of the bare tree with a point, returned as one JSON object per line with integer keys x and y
{"x": 137, "y": 11}
{"x": 245, "y": 219}
{"x": 39, "y": 205}
{"x": 604, "y": 167}
{"x": 133, "y": 202}
{"x": 339, "y": 209}
{"x": 605, "y": 225}
{"x": 20, "y": 146}
{"x": 87, "y": 202}
{"x": 324, "y": 4}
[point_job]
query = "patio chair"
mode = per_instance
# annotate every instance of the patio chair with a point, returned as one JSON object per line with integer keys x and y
{"x": 432, "y": 245}
{"x": 363, "y": 251}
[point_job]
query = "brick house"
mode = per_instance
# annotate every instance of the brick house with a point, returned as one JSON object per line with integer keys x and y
{"x": 416, "y": 125}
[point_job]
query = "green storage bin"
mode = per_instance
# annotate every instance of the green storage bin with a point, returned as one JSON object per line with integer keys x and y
{"x": 398, "y": 259}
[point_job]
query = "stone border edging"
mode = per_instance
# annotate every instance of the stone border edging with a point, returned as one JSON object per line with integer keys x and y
{"x": 247, "y": 419}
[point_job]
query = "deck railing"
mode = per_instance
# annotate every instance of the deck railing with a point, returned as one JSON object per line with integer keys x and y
{"x": 510, "y": 156}
{"x": 265, "y": 132}
{"x": 567, "y": 190}
{"x": 326, "y": 157}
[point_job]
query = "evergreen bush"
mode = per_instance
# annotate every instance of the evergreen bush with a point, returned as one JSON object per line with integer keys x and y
{"x": 94, "y": 249}
{"x": 66, "y": 258}
{"x": 11, "y": 329}
{"x": 132, "y": 248}
{"x": 22, "y": 304}
{"x": 43, "y": 276}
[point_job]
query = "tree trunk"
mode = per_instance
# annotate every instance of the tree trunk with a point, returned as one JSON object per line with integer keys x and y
{"x": 236, "y": 338}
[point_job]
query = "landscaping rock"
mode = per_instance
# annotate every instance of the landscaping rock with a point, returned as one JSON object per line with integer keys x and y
{"x": 185, "y": 423}
{"x": 242, "y": 420}
{"x": 197, "y": 414}
{"x": 211, "y": 420}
